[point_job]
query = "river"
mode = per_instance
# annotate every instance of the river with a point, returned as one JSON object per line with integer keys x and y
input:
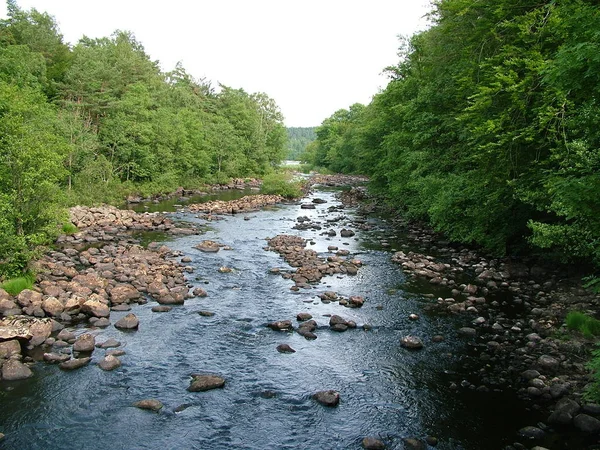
{"x": 386, "y": 391}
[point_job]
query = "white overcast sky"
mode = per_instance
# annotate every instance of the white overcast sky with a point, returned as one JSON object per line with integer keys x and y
{"x": 312, "y": 56}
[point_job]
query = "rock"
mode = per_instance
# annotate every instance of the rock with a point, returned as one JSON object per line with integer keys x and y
{"x": 121, "y": 307}
{"x": 206, "y": 313}
{"x": 336, "y": 320}
{"x": 102, "y": 322}
{"x": 329, "y": 398}
{"x": 411, "y": 342}
{"x": 35, "y": 330}
{"x": 414, "y": 444}
{"x": 532, "y": 432}
{"x": 547, "y": 363}
{"x": 301, "y": 317}
{"x": 28, "y": 297}
{"x": 413, "y": 317}
{"x": 149, "y": 404}
{"x": 306, "y": 333}
{"x": 371, "y": 443}
{"x": 52, "y": 306}
{"x": 346, "y": 233}
{"x": 123, "y": 293}
{"x": 568, "y": 406}
{"x": 285, "y": 348}
{"x": 356, "y": 301}
{"x": 118, "y": 352}
{"x": 54, "y": 358}
{"x": 281, "y": 325}
{"x": 73, "y": 364}
{"x": 9, "y": 348}
{"x": 95, "y": 308}
{"x": 129, "y": 322}
{"x": 66, "y": 335}
{"x": 205, "y": 382}
{"x": 530, "y": 374}
{"x": 208, "y": 246}
{"x": 339, "y": 327}
{"x": 109, "y": 343}
{"x": 161, "y": 308}
{"x": 199, "y": 292}
{"x": 466, "y": 331}
{"x": 15, "y": 370}
{"x": 85, "y": 343}
{"x": 109, "y": 362}
{"x": 560, "y": 418}
{"x": 585, "y": 423}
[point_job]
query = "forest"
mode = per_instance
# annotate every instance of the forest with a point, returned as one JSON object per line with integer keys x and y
{"x": 92, "y": 122}
{"x": 489, "y": 129}
{"x": 298, "y": 140}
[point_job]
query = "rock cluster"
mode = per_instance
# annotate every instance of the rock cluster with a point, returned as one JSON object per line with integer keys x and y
{"x": 310, "y": 267}
{"x": 245, "y": 204}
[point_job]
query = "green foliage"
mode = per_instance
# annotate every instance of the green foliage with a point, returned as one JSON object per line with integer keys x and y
{"x": 583, "y": 323}
{"x": 69, "y": 228}
{"x": 298, "y": 139}
{"x": 281, "y": 184}
{"x": 15, "y": 285}
{"x": 592, "y": 282}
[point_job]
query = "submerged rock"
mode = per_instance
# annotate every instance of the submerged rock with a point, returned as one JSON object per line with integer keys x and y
{"x": 15, "y": 370}
{"x": 109, "y": 362}
{"x": 85, "y": 343}
{"x": 129, "y": 322}
{"x": 411, "y": 342}
{"x": 285, "y": 348}
{"x": 75, "y": 363}
{"x": 150, "y": 404}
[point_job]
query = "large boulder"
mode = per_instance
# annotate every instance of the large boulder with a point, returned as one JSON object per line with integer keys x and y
{"x": 25, "y": 328}
{"x": 109, "y": 362}
{"x": 129, "y": 322}
{"x": 95, "y": 308}
{"x": 15, "y": 370}
{"x": 27, "y": 297}
{"x": 85, "y": 343}
{"x": 9, "y": 348}
{"x": 329, "y": 398}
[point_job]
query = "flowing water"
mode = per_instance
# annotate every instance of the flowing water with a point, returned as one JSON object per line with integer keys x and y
{"x": 386, "y": 391}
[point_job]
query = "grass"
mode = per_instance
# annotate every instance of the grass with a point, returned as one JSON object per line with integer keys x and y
{"x": 69, "y": 228}
{"x": 15, "y": 285}
{"x": 583, "y": 323}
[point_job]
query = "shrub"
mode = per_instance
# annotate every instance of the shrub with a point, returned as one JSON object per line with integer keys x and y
{"x": 281, "y": 184}
{"x": 583, "y": 323}
{"x": 69, "y": 228}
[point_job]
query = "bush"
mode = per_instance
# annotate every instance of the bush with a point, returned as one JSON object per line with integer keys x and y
{"x": 281, "y": 184}
{"x": 15, "y": 285}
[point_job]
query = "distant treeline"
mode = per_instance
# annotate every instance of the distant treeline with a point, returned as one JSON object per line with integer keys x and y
{"x": 489, "y": 128}
{"x": 93, "y": 122}
{"x": 298, "y": 139}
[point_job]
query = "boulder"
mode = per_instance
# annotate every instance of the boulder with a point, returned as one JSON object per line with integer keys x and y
{"x": 281, "y": 325}
{"x": 54, "y": 358}
{"x": 129, "y": 322}
{"x": 34, "y": 330}
{"x": 85, "y": 343}
{"x": 329, "y": 398}
{"x": 201, "y": 383}
{"x": 109, "y": 343}
{"x": 73, "y": 364}
{"x": 161, "y": 308}
{"x": 371, "y": 443}
{"x": 285, "y": 348}
{"x": 109, "y": 362}
{"x": 95, "y": 308}
{"x": 9, "y": 348}
{"x": 53, "y": 306}
{"x": 149, "y": 404}
{"x": 15, "y": 370}
{"x": 27, "y": 297}
{"x": 582, "y": 422}
{"x": 411, "y": 342}
{"x": 123, "y": 293}
{"x": 301, "y": 317}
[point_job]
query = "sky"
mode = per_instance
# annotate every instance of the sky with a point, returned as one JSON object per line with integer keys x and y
{"x": 312, "y": 57}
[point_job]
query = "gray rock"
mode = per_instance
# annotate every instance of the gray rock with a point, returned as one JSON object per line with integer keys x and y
{"x": 466, "y": 331}
{"x": 149, "y": 404}
{"x": 201, "y": 383}
{"x": 414, "y": 444}
{"x": 587, "y": 424}
{"x": 339, "y": 327}
{"x": 109, "y": 362}
{"x": 54, "y": 358}
{"x": 566, "y": 405}
{"x": 102, "y": 322}
{"x": 532, "y": 432}
{"x": 161, "y": 308}
{"x": 303, "y": 316}
{"x": 329, "y": 398}
{"x": 206, "y": 313}
{"x": 109, "y": 343}
{"x": 548, "y": 363}
{"x": 15, "y": 370}
{"x": 530, "y": 374}
{"x": 560, "y": 418}
{"x": 129, "y": 322}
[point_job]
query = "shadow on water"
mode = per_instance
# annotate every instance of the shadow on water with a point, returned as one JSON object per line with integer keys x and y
{"x": 386, "y": 391}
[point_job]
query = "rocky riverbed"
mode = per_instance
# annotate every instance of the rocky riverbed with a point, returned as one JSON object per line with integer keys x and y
{"x": 506, "y": 317}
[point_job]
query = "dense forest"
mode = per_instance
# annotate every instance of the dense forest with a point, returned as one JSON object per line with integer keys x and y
{"x": 298, "y": 139}
{"x": 92, "y": 122}
{"x": 489, "y": 128}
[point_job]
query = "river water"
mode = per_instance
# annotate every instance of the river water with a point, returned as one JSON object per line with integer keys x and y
{"x": 386, "y": 391}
